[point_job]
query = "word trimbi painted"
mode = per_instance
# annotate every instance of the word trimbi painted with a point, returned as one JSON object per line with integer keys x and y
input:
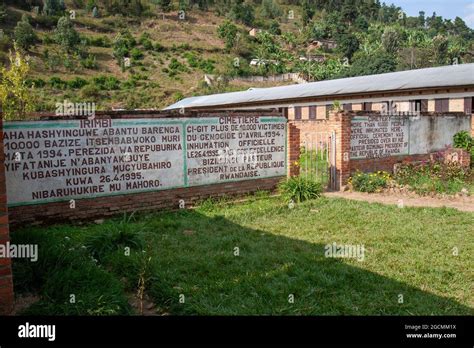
{"x": 49, "y": 161}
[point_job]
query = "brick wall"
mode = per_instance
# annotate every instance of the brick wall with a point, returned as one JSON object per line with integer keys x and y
{"x": 6, "y": 279}
{"x": 293, "y": 148}
{"x": 308, "y": 128}
{"x": 90, "y": 209}
{"x": 386, "y": 163}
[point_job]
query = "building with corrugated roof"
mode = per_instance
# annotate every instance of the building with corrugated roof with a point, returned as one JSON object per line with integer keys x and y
{"x": 439, "y": 89}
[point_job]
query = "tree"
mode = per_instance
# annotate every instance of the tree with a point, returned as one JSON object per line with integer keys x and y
{"x": 24, "y": 34}
{"x": 377, "y": 63}
{"x": 349, "y": 11}
{"x": 227, "y": 31}
{"x": 440, "y": 49}
{"x": 66, "y": 36}
{"x": 165, "y": 5}
{"x": 460, "y": 28}
{"x": 15, "y": 96}
{"x": 274, "y": 28}
{"x": 307, "y": 12}
{"x": 90, "y": 5}
{"x": 348, "y": 45}
{"x": 361, "y": 23}
{"x": 270, "y": 9}
{"x": 242, "y": 12}
{"x": 51, "y": 7}
{"x": 122, "y": 45}
{"x": 391, "y": 40}
{"x": 421, "y": 19}
{"x": 124, "y": 7}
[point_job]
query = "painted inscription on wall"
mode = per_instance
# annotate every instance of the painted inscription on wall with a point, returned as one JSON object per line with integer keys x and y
{"x": 379, "y": 136}
{"x": 60, "y": 160}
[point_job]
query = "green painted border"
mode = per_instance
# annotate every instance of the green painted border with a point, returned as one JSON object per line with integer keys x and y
{"x": 183, "y": 122}
{"x": 185, "y": 151}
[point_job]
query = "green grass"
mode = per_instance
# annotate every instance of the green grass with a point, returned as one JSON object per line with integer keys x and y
{"x": 281, "y": 252}
{"x": 314, "y": 165}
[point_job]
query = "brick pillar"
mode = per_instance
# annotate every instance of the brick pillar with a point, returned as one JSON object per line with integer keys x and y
{"x": 6, "y": 278}
{"x": 340, "y": 122}
{"x": 293, "y": 150}
{"x": 472, "y": 124}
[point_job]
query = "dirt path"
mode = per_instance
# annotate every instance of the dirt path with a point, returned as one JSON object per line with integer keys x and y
{"x": 460, "y": 203}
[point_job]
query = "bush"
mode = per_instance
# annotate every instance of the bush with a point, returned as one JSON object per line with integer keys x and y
{"x": 112, "y": 83}
{"x": 177, "y": 96}
{"x": 89, "y": 62}
{"x": 99, "y": 41}
{"x": 45, "y": 22}
{"x": 106, "y": 83}
{"x": 136, "y": 54}
{"x": 76, "y": 83}
{"x": 56, "y": 82}
{"x": 300, "y": 189}
{"x": 463, "y": 140}
{"x": 37, "y": 83}
{"x": 90, "y": 91}
{"x": 430, "y": 177}
{"x": 158, "y": 47}
{"x": 119, "y": 235}
{"x": 24, "y": 34}
{"x": 369, "y": 182}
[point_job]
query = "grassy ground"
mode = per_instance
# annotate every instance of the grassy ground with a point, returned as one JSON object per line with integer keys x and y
{"x": 409, "y": 252}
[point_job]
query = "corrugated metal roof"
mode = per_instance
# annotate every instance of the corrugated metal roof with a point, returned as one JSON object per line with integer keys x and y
{"x": 445, "y": 76}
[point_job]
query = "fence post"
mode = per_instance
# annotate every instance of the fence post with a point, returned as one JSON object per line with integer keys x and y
{"x": 6, "y": 277}
{"x": 341, "y": 124}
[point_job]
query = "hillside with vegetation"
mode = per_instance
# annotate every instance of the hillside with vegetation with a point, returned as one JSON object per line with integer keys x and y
{"x": 138, "y": 54}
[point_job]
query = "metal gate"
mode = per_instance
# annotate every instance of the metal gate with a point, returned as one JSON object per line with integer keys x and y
{"x": 318, "y": 158}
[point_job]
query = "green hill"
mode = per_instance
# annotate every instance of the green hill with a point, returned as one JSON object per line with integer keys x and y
{"x": 137, "y": 54}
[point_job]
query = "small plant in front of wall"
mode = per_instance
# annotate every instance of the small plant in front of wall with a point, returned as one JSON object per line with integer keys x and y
{"x": 336, "y": 105}
{"x": 369, "y": 182}
{"x": 463, "y": 140}
{"x": 298, "y": 189}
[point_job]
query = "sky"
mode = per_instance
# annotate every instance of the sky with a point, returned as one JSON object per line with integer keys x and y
{"x": 446, "y": 8}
